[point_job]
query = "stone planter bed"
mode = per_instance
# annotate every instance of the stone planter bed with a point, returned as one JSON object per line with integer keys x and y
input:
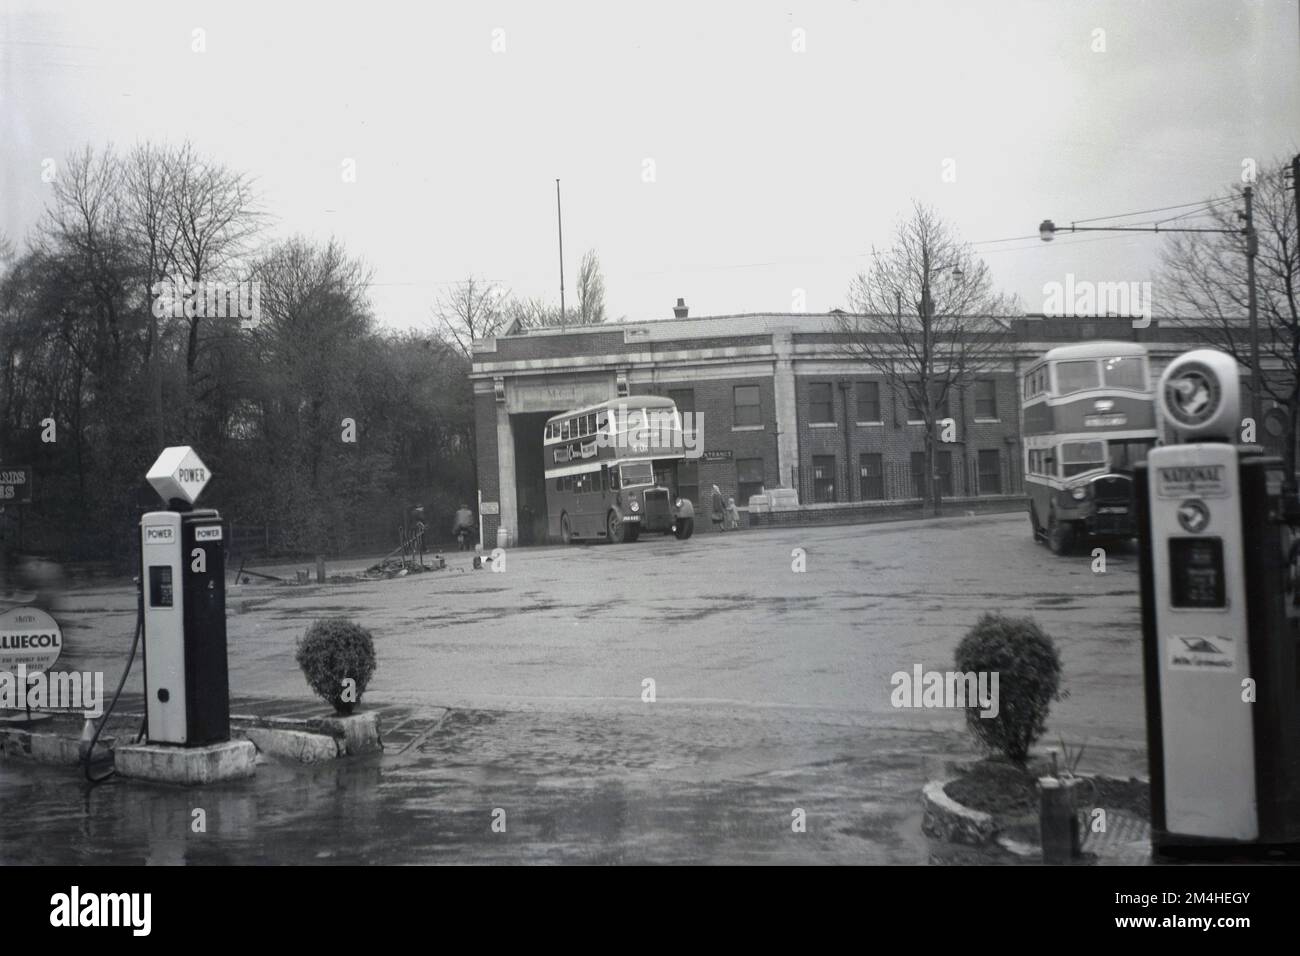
{"x": 993, "y": 801}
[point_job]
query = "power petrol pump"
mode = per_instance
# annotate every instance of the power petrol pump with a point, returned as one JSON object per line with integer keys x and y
{"x": 182, "y": 574}
{"x": 1219, "y": 624}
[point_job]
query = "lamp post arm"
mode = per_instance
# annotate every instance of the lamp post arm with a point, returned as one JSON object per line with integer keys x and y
{"x": 1074, "y": 228}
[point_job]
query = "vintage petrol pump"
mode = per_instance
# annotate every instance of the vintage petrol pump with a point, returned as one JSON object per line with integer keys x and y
{"x": 182, "y": 568}
{"x": 1219, "y": 624}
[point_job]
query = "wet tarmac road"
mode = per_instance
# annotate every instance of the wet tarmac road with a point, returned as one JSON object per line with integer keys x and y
{"x": 772, "y": 694}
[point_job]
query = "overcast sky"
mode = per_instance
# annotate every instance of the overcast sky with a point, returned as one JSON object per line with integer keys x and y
{"x": 786, "y": 139}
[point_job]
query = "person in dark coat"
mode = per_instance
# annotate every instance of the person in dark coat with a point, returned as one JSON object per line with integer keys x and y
{"x": 463, "y": 526}
{"x": 719, "y": 508}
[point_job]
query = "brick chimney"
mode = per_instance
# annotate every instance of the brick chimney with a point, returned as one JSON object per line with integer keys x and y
{"x": 679, "y": 310}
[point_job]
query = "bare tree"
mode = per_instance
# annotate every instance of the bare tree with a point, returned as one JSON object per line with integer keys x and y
{"x": 1204, "y": 278}
{"x": 591, "y": 290}
{"x": 84, "y": 224}
{"x": 154, "y": 233}
{"x": 926, "y": 317}
{"x": 530, "y": 313}
{"x": 537, "y": 313}
{"x": 215, "y": 214}
{"x": 470, "y": 310}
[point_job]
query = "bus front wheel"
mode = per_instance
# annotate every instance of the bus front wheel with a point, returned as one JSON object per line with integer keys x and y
{"x": 684, "y": 527}
{"x": 566, "y": 529}
{"x": 1060, "y": 535}
{"x": 615, "y": 525}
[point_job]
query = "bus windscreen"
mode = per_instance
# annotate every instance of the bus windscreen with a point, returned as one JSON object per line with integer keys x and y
{"x": 637, "y": 473}
{"x": 1080, "y": 456}
{"x": 1125, "y": 454}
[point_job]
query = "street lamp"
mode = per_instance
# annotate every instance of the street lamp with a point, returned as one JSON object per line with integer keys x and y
{"x": 1047, "y": 232}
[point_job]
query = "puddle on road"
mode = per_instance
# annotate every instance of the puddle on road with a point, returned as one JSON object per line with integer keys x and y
{"x": 573, "y": 788}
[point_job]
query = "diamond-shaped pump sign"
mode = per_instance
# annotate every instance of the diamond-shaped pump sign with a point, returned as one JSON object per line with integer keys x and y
{"x": 178, "y": 473}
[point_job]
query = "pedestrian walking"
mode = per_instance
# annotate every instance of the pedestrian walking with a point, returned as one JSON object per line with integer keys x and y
{"x": 719, "y": 508}
{"x": 463, "y": 528}
{"x": 733, "y": 515}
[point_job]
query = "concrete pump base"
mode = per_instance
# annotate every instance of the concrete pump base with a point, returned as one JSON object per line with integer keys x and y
{"x": 168, "y": 763}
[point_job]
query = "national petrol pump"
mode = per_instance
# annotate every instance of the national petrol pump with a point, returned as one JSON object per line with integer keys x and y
{"x": 1219, "y": 620}
{"x": 182, "y": 577}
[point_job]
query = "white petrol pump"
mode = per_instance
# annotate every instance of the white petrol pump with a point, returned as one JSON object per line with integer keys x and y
{"x": 182, "y": 577}
{"x": 1219, "y": 623}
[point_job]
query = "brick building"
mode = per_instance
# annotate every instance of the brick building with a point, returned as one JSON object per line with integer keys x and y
{"x": 782, "y": 404}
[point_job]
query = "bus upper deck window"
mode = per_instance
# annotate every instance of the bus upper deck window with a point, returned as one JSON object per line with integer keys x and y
{"x": 1124, "y": 371}
{"x": 1076, "y": 376}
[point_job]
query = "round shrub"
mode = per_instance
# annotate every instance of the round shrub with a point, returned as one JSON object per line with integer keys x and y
{"x": 1029, "y": 679}
{"x": 333, "y": 651}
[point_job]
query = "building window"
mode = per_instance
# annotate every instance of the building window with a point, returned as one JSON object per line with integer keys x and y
{"x": 823, "y": 478}
{"x": 821, "y": 402}
{"x": 986, "y": 398}
{"x": 914, "y": 412}
{"x": 745, "y": 407}
{"x": 749, "y": 479}
{"x": 871, "y": 471}
{"x": 869, "y": 402}
{"x": 990, "y": 472}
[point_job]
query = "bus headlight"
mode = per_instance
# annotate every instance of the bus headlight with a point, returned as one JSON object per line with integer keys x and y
{"x": 1078, "y": 494}
{"x": 636, "y": 506}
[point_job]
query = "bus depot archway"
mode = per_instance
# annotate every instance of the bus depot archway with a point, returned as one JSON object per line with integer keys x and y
{"x": 530, "y": 477}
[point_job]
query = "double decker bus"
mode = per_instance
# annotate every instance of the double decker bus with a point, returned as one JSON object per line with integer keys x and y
{"x": 611, "y": 471}
{"x": 1089, "y": 416}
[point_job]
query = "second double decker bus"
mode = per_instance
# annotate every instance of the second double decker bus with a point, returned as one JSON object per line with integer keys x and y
{"x": 611, "y": 471}
{"x": 1089, "y": 416}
